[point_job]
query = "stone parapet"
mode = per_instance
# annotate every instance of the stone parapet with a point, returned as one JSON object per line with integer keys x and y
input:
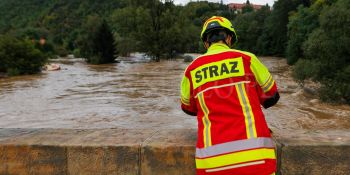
{"x": 143, "y": 152}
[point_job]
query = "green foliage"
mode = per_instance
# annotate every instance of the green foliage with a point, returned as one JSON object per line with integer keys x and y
{"x": 301, "y": 24}
{"x": 327, "y": 48}
{"x": 47, "y": 48}
{"x": 247, "y": 8}
{"x": 19, "y": 57}
{"x": 100, "y": 45}
{"x": 249, "y": 27}
{"x": 335, "y": 92}
{"x": 162, "y": 29}
{"x": 305, "y": 69}
{"x": 313, "y": 37}
{"x": 273, "y": 40}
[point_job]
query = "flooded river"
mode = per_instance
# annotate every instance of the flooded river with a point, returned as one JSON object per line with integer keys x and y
{"x": 145, "y": 95}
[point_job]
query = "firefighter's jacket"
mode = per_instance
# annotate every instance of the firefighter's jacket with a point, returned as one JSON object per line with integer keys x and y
{"x": 226, "y": 88}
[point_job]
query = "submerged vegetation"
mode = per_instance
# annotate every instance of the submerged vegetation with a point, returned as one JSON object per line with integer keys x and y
{"x": 319, "y": 40}
{"x": 19, "y": 57}
{"x": 312, "y": 34}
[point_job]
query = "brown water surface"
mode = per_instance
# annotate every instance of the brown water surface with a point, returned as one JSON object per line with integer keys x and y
{"x": 146, "y": 95}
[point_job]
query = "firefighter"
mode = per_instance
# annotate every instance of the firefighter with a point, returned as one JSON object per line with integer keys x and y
{"x": 225, "y": 89}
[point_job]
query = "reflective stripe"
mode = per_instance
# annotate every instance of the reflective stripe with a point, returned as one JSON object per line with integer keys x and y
{"x": 206, "y": 121}
{"x": 268, "y": 85}
{"x": 236, "y": 166}
{"x": 221, "y": 86}
{"x": 212, "y": 19}
{"x": 247, "y": 111}
{"x": 267, "y": 81}
{"x": 234, "y": 146}
{"x": 236, "y": 158}
{"x": 185, "y": 101}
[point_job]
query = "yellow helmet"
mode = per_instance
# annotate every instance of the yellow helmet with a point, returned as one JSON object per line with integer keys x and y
{"x": 218, "y": 22}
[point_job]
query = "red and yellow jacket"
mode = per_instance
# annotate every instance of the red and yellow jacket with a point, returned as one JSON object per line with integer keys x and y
{"x": 225, "y": 88}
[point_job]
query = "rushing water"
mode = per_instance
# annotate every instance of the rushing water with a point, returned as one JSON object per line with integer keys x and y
{"x": 144, "y": 95}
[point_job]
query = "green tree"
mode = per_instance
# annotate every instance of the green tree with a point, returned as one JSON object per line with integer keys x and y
{"x": 327, "y": 48}
{"x": 102, "y": 45}
{"x": 273, "y": 40}
{"x": 247, "y": 8}
{"x": 19, "y": 57}
{"x": 249, "y": 27}
{"x": 300, "y": 25}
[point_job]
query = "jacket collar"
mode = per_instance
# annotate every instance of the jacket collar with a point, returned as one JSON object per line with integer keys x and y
{"x": 217, "y": 48}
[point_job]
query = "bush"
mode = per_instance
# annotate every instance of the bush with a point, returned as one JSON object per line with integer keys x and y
{"x": 335, "y": 91}
{"x": 61, "y": 51}
{"x": 99, "y": 47}
{"x": 19, "y": 57}
{"x": 326, "y": 54}
{"x": 47, "y": 48}
{"x": 305, "y": 69}
{"x": 77, "y": 53}
{"x": 300, "y": 25}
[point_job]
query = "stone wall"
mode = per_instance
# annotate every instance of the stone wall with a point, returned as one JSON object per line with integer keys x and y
{"x": 142, "y": 152}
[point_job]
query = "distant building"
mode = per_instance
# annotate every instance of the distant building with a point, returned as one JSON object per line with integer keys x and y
{"x": 239, "y": 6}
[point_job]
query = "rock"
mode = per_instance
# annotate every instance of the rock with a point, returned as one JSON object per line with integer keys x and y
{"x": 188, "y": 58}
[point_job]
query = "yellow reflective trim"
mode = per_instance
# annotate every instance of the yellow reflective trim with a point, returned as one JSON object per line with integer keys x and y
{"x": 205, "y": 136}
{"x": 247, "y": 111}
{"x": 219, "y": 70}
{"x": 269, "y": 84}
{"x": 185, "y": 102}
{"x": 269, "y": 88}
{"x": 250, "y": 111}
{"x": 206, "y": 121}
{"x": 185, "y": 90}
{"x": 235, "y": 158}
{"x": 244, "y": 112}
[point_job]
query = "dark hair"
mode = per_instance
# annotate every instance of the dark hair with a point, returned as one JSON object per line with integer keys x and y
{"x": 216, "y": 36}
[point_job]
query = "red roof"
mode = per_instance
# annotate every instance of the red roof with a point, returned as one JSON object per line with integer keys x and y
{"x": 240, "y": 6}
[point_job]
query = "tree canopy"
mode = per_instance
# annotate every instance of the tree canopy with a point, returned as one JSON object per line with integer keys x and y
{"x": 313, "y": 34}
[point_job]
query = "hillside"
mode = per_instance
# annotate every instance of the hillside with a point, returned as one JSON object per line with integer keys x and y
{"x": 56, "y": 19}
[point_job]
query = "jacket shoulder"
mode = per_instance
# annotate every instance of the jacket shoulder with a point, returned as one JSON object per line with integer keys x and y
{"x": 249, "y": 54}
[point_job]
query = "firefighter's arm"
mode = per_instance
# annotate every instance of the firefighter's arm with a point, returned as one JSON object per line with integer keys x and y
{"x": 267, "y": 87}
{"x": 188, "y": 104}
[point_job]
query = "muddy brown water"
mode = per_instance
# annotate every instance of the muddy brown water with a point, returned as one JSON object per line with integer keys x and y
{"x": 146, "y": 95}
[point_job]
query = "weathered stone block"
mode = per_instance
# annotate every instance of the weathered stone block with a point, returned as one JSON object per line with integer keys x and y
{"x": 315, "y": 160}
{"x": 177, "y": 160}
{"x": 2, "y": 160}
{"x": 169, "y": 152}
{"x": 120, "y": 160}
{"x": 34, "y": 160}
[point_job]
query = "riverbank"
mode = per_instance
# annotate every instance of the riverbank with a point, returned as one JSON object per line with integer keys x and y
{"x": 147, "y": 151}
{"x": 66, "y": 122}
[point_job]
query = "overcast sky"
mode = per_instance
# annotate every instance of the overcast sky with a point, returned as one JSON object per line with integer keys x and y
{"x": 259, "y": 2}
